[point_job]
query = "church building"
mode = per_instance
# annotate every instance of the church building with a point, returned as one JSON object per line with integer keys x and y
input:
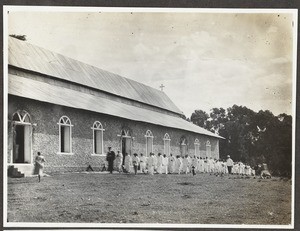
{"x": 72, "y": 112}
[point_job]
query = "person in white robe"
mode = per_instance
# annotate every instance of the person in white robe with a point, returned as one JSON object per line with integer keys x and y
{"x": 201, "y": 165}
{"x": 241, "y": 168}
{"x": 127, "y": 163}
{"x": 119, "y": 161}
{"x": 143, "y": 162}
{"x": 211, "y": 165}
{"x": 194, "y": 165}
{"x": 189, "y": 163}
{"x": 165, "y": 163}
{"x": 178, "y": 164}
{"x": 216, "y": 167}
{"x": 252, "y": 171}
{"x": 150, "y": 164}
{"x": 135, "y": 162}
{"x": 224, "y": 167}
{"x": 159, "y": 163}
{"x": 206, "y": 165}
{"x": 233, "y": 171}
{"x": 39, "y": 165}
{"x": 171, "y": 167}
{"x": 155, "y": 162}
{"x": 185, "y": 163}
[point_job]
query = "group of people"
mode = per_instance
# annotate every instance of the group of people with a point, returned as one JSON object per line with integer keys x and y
{"x": 163, "y": 164}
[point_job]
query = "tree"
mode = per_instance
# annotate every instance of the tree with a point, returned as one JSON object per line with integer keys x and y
{"x": 251, "y": 137}
{"x": 200, "y": 118}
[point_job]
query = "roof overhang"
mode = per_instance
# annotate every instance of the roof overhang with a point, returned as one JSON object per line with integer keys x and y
{"x": 41, "y": 91}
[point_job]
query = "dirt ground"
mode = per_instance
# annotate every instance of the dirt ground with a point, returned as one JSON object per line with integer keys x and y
{"x": 121, "y": 198}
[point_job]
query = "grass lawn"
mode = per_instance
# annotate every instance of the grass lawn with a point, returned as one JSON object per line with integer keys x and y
{"x": 120, "y": 198}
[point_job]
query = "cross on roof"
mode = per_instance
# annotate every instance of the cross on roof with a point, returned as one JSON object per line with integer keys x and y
{"x": 161, "y": 87}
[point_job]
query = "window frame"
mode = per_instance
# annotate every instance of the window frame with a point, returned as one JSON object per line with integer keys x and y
{"x": 208, "y": 148}
{"x": 197, "y": 146}
{"x": 97, "y": 126}
{"x": 66, "y": 123}
{"x": 167, "y": 138}
{"x": 149, "y": 134}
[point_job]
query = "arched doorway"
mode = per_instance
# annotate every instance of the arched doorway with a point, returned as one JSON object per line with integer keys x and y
{"x": 22, "y": 138}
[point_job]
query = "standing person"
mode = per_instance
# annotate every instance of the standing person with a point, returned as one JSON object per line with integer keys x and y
{"x": 217, "y": 167}
{"x": 119, "y": 160}
{"x": 201, "y": 165}
{"x": 155, "y": 161}
{"x": 194, "y": 165}
{"x": 189, "y": 163}
{"x": 110, "y": 159}
{"x": 39, "y": 164}
{"x": 178, "y": 164}
{"x": 127, "y": 163}
{"x": 150, "y": 164}
{"x": 241, "y": 169}
{"x": 171, "y": 163}
{"x": 143, "y": 162}
{"x": 165, "y": 163}
{"x": 135, "y": 162}
{"x": 159, "y": 163}
{"x": 229, "y": 163}
{"x": 185, "y": 164}
{"x": 212, "y": 165}
{"x": 206, "y": 165}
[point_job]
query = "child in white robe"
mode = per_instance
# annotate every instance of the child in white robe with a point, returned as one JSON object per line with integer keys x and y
{"x": 118, "y": 161}
{"x": 143, "y": 161}
{"x": 159, "y": 163}
{"x": 178, "y": 165}
{"x": 135, "y": 162}
{"x": 194, "y": 165}
{"x": 171, "y": 167}
{"x": 165, "y": 163}
{"x": 185, "y": 163}
{"x": 155, "y": 161}
{"x": 206, "y": 165}
{"x": 127, "y": 163}
{"x": 150, "y": 164}
{"x": 201, "y": 165}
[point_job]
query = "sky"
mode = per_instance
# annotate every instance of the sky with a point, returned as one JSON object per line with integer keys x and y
{"x": 204, "y": 60}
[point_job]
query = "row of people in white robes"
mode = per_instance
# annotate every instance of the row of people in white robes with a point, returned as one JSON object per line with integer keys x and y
{"x": 171, "y": 164}
{"x": 240, "y": 168}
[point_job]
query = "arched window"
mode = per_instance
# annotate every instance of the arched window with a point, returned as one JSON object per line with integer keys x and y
{"x": 208, "y": 149}
{"x": 65, "y": 135}
{"x": 97, "y": 138}
{"x": 183, "y": 146}
{"x": 149, "y": 142}
{"x": 21, "y": 117}
{"x": 126, "y": 142}
{"x": 167, "y": 141}
{"x": 197, "y": 147}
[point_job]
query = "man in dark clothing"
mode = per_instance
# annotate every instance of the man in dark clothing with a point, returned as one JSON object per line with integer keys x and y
{"x": 110, "y": 159}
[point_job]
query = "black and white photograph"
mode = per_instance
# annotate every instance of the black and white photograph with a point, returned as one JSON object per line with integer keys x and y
{"x": 149, "y": 117}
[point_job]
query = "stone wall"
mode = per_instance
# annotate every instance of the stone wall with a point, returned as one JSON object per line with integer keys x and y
{"x": 45, "y": 136}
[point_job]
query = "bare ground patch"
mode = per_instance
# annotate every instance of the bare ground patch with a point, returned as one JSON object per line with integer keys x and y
{"x": 118, "y": 198}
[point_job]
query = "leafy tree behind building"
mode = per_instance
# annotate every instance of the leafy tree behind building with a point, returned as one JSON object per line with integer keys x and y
{"x": 251, "y": 137}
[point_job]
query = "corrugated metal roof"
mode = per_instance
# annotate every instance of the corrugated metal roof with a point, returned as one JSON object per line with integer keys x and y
{"x": 45, "y": 92}
{"x": 30, "y": 57}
